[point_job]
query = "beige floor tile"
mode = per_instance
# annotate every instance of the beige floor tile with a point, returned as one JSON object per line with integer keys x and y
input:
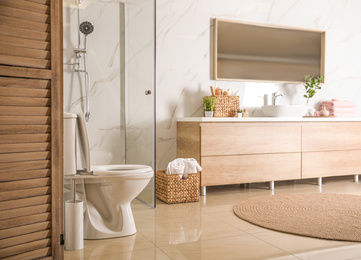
{"x": 148, "y": 254}
{"x": 123, "y": 245}
{"x": 339, "y": 253}
{"x": 231, "y": 219}
{"x": 238, "y": 247}
{"x": 307, "y": 248}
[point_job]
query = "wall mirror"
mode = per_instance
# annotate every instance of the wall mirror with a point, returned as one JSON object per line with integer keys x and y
{"x": 244, "y": 51}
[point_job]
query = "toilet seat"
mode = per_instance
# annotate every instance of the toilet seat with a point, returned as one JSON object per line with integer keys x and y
{"x": 130, "y": 171}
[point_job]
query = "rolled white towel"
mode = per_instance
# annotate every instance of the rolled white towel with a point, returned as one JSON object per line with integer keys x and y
{"x": 191, "y": 165}
{"x": 176, "y": 166}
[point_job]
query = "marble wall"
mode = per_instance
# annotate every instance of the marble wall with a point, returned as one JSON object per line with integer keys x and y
{"x": 184, "y": 60}
{"x": 103, "y": 62}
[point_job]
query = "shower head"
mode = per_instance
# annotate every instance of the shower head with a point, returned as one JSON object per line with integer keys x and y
{"x": 86, "y": 28}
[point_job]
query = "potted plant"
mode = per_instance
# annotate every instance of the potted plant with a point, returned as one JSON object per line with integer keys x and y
{"x": 240, "y": 112}
{"x": 208, "y": 104}
{"x": 312, "y": 84}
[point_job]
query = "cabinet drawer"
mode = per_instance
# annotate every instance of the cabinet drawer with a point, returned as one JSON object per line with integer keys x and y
{"x": 331, "y": 137}
{"x": 243, "y": 138}
{"x": 333, "y": 163}
{"x": 218, "y": 170}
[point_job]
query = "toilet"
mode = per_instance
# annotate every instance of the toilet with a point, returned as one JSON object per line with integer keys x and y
{"x": 107, "y": 190}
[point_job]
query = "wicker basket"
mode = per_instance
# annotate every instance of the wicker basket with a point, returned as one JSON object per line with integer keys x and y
{"x": 172, "y": 189}
{"x": 226, "y": 106}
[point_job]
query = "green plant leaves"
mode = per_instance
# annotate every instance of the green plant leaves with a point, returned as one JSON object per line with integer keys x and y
{"x": 311, "y": 85}
{"x": 209, "y": 103}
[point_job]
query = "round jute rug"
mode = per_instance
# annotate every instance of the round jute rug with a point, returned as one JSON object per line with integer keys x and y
{"x": 319, "y": 215}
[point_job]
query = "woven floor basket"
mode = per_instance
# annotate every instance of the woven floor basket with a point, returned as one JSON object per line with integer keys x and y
{"x": 170, "y": 188}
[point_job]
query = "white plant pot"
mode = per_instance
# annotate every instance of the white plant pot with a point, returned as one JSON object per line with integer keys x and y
{"x": 208, "y": 113}
{"x": 240, "y": 114}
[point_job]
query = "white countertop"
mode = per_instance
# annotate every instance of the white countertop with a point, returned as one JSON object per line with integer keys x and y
{"x": 268, "y": 119}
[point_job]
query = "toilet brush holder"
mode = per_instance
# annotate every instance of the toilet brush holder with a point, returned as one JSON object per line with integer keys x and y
{"x": 74, "y": 225}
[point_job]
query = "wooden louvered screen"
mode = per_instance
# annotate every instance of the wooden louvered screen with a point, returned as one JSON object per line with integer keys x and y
{"x": 31, "y": 198}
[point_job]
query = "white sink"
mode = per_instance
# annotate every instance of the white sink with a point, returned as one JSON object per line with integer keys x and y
{"x": 284, "y": 111}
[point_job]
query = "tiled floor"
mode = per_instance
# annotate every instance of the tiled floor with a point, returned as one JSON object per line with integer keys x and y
{"x": 209, "y": 230}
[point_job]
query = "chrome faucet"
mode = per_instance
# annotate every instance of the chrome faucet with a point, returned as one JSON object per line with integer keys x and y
{"x": 274, "y": 97}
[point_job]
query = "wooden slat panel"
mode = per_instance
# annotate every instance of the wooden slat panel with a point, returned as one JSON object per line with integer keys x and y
{"x": 24, "y": 62}
{"x": 24, "y": 101}
{"x": 25, "y": 120}
{"x": 24, "y": 166}
{"x": 24, "y": 129}
{"x": 27, "y": 147}
{"x": 43, "y": 2}
{"x": 24, "y": 92}
{"x": 24, "y": 138}
{"x": 25, "y": 238}
{"x": 20, "y": 157}
{"x": 26, "y": 184}
{"x": 24, "y": 33}
{"x": 22, "y": 175}
{"x": 24, "y": 52}
{"x": 20, "y": 4}
{"x": 35, "y": 254}
{"x": 219, "y": 170}
{"x": 24, "y": 111}
{"x": 344, "y": 136}
{"x": 331, "y": 163}
{"x": 9, "y": 195}
{"x": 16, "y": 222}
{"x": 25, "y": 24}
{"x": 24, "y": 83}
{"x": 242, "y": 138}
{"x": 25, "y": 72}
{"x": 26, "y": 211}
{"x": 22, "y": 230}
{"x": 16, "y": 250}
{"x": 27, "y": 202}
{"x": 26, "y": 43}
{"x": 24, "y": 14}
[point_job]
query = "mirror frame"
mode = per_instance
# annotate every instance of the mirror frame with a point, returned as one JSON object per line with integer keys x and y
{"x": 266, "y": 27}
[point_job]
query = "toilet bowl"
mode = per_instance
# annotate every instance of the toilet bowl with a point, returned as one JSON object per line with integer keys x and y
{"x": 107, "y": 190}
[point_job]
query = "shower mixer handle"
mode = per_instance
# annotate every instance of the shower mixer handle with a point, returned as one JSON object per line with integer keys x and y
{"x": 79, "y": 51}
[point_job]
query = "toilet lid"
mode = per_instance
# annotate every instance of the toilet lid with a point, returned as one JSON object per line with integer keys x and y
{"x": 83, "y": 139}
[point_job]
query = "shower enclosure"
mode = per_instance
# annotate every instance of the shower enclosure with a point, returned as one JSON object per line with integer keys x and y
{"x": 120, "y": 62}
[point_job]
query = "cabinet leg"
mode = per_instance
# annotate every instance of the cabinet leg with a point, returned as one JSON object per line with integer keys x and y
{"x": 271, "y": 185}
{"x": 355, "y": 178}
{"x": 203, "y": 190}
{"x": 319, "y": 181}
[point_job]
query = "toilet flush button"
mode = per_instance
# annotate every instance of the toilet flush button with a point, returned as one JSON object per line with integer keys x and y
{"x": 148, "y": 92}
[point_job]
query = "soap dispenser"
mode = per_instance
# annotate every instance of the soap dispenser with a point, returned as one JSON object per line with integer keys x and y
{"x": 265, "y": 99}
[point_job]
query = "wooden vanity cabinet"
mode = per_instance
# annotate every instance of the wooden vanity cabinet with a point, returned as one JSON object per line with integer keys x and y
{"x": 242, "y": 152}
{"x": 245, "y": 152}
{"x": 331, "y": 149}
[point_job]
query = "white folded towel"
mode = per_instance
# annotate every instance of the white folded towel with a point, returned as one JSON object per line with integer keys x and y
{"x": 176, "y": 166}
{"x": 181, "y": 166}
{"x": 191, "y": 165}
